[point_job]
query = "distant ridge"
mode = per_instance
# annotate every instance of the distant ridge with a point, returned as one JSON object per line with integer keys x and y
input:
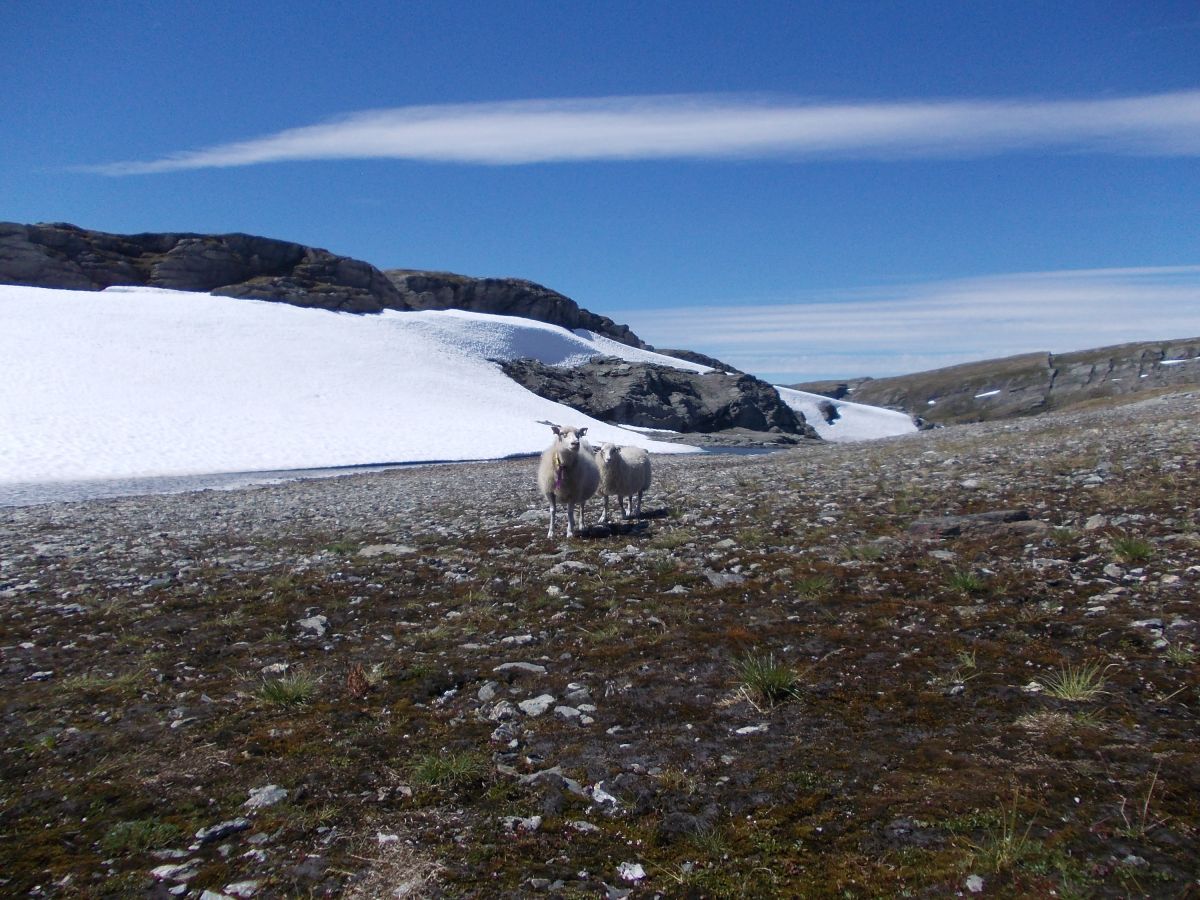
{"x": 1026, "y": 384}
{"x": 60, "y": 255}
{"x": 503, "y": 297}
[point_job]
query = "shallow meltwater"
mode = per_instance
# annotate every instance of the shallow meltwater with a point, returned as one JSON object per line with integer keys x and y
{"x": 34, "y": 493}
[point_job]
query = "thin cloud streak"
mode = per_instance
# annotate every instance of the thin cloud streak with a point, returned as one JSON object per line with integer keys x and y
{"x": 892, "y": 331}
{"x": 708, "y": 126}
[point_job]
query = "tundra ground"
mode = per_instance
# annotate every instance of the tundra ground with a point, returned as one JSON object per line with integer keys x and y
{"x": 831, "y": 671}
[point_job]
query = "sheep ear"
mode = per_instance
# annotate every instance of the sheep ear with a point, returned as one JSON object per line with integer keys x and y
{"x": 556, "y": 430}
{"x": 582, "y": 432}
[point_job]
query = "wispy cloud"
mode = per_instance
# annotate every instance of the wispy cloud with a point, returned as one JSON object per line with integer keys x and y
{"x": 891, "y": 331}
{"x": 707, "y": 126}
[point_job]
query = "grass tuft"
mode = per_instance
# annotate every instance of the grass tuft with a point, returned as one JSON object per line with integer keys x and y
{"x": 1085, "y": 682}
{"x": 767, "y": 680}
{"x": 1006, "y": 844}
{"x": 810, "y": 587}
{"x": 449, "y": 771}
{"x": 965, "y": 582}
{"x": 1129, "y": 550}
{"x": 139, "y": 835}
{"x": 1180, "y": 655}
{"x": 294, "y": 689}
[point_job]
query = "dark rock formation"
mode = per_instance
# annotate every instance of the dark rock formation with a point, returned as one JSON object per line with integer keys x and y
{"x": 242, "y": 265}
{"x": 835, "y": 390}
{"x": 692, "y": 356}
{"x": 1027, "y": 384}
{"x": 503, "y": 297}
{"x": 652, "y": 396}
{"x": 235, "y": 265}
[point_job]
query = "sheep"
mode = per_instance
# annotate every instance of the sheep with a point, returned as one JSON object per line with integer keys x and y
{"x": 624, "y": 472}
{"x": 568, "y": 472}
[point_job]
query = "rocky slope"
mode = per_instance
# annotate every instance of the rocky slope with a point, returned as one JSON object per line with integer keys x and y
{"x": 502, "y": 297}
{"x": 653, "y": 396}
{"x": 960, "y": 661}
{"x": 241, "y": 265}
{"x": 1027, "y": 384}
{"x": 232, "y": 265}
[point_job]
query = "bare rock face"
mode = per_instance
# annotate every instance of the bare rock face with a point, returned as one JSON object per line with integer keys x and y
{"x": 234, "y": 265}
{"x": 703, "y": 359}
{"x": 503, "y": 297}
{"x": 653, "y": 396}
{"x": 242, "y": 265}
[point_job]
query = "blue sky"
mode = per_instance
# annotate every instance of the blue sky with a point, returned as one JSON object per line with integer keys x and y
{"x": 806, "y": 190}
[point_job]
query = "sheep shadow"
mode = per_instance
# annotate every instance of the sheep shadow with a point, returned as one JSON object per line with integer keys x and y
{"x": 608, "y": 529}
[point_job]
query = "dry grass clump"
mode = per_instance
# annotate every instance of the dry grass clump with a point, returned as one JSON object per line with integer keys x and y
{"x": 399, "y": 870}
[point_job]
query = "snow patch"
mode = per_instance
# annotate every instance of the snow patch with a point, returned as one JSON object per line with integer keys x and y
{"x": 855, "y": 421}
{"x": 139, "y": 382}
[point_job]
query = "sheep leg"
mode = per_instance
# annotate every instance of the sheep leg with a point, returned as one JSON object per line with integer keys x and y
{"x": 570, "y": 519}
{"x": 606, "y": 508}
{"x": 639, "y": 512}
{"x": 553, "y": 513}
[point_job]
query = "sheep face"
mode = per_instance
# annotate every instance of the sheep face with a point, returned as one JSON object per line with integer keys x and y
{"x": 568, "y": 440}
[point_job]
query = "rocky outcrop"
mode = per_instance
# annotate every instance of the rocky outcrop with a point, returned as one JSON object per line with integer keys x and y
{"x": 241, "y": 265}
{"x": 235, "y": 265}
{"x": 653, "y": 396}
{"x": 692, "y": 356}
{"x": 502, "y": 297}
{"x": 1027, "y": 384}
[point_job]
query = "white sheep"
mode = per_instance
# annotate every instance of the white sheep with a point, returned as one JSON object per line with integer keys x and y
{"x": 624, "y": 472}
{"x": 567, "y": 471}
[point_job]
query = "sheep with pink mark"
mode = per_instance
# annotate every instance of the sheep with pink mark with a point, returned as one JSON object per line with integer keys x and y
{"x": 567, "y": 473}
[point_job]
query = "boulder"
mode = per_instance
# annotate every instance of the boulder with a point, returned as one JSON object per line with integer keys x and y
{"x": 654, "y": 396}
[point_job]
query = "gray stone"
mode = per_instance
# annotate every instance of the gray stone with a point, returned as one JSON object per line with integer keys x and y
{"x": 316, "y": 624}
{"x": 520, "y": 668}
{"x": 723, "y": 579}
{"x": 952, "y": 526}
{"x": 222, "y": 830}
{"x": 536, "y": 706}
{"x": 262, "y": 797}
{"x": 387, "y": 550}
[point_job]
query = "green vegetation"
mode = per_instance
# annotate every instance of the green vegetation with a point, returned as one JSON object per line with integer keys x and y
{"x": 965, "y": 582}
{"x": 293, "y": 689}
{"x": 450, "y": 770}
{"x": 139, "y": 835}
{"x": 1076, "y": 683}
{"x": 1131, "y": 550}
{"x": 766, "y": 680}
